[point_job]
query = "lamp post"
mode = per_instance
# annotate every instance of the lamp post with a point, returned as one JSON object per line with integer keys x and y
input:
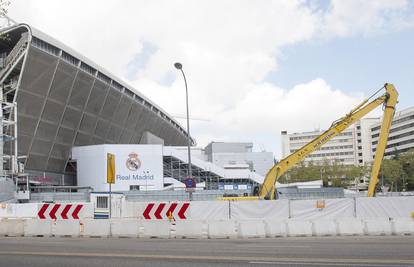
{"x": 179, "y": 66}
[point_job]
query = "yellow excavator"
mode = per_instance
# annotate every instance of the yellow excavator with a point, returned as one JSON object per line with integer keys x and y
{"x": 267, "y": 190}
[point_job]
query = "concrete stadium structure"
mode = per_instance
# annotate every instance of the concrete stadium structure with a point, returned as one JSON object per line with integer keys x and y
{"x": 65, "y": 100}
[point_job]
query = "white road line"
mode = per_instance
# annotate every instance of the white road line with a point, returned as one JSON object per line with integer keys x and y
{"x": 325, "y": 264}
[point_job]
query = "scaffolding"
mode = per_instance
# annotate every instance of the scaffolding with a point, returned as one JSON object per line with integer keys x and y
{"x": 12, "y": 59}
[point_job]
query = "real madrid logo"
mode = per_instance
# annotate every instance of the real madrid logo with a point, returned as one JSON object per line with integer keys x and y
{"x": 133, "y": 163}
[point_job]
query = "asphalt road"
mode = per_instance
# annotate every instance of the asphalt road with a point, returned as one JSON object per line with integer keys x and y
{"x": 91, "y": 252}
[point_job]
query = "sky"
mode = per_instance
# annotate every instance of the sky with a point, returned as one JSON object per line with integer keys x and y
{"x": 254, "y": 68}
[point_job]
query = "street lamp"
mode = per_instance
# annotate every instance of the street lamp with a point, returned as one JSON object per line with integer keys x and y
{"x": 179, "y": 66}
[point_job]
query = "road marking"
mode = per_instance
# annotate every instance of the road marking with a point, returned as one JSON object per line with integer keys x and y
{"x": 274, "y": 260}
{"x": 324, "y": 264}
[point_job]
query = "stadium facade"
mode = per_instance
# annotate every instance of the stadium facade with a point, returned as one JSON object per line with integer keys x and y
{"x": 59, "y": 99}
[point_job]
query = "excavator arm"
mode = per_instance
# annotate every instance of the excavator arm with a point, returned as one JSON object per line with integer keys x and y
{"x": 389, "y": 99}
{"x": 389, "y": 110}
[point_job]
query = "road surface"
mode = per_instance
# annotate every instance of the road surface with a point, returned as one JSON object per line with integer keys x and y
{"x": 91, "y": 252}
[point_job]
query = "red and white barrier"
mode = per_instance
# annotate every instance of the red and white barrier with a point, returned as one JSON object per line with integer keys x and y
{"x": 161, "y": 211}
{"x": 59, "y": 211}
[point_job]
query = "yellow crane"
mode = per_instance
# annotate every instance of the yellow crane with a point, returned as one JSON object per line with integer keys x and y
{"x": 267, "y": 189}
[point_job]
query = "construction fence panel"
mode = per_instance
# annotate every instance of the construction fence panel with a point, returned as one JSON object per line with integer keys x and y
{"x": 258, "y": 209}
{"x": 14, "y": 210}
{"x": 388, "y": 207}
{"x": 182, "y": 210}
{"x": 322, "y": 209}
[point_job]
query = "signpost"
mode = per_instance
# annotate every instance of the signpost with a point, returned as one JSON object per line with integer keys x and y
{"x": 190, "y": 186}
{"x": 110, "y": 176}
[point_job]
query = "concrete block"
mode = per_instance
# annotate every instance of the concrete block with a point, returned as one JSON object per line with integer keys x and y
{"x": 350, "y": 226}
{"x": 377, "y": 226}
{"x": 155, "y": 229}
{"x": 190, "y": 229}
{"x": 222, "y": 229}
{"x": 124, "y": 227}
{"x": 35, "y": 227}
{"x": 299, "y": 228}
{"x": 402, "y": 226}
{"x": 250, "y": 229}
{"x": 275, "y": 228}
{"x": 324, "y": 228}
{"x": 96, "y": 228}
{"x": 12, "y": 227}
{"x": 67, "y": 228}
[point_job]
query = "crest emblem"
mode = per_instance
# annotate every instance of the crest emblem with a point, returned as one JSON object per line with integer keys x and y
{"x": 133, "y": 163}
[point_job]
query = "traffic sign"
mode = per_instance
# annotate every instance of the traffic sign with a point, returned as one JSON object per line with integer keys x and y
{"x": 190, "y": 184}
{"x": 110, "y": 174}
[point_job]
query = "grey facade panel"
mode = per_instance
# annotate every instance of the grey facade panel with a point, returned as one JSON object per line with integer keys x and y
{"x": 81, "y": 90}
{"x": 102, "y": 128}
{"x": 38, "y": 72}
{"x": 53, "y": 111}
{"x": 41, "y": 147}
{"x": 111, "y": 104}
{"x": 88, "y": 123}
{"x": 60, "y": 151}
{"x": 46, "y": 131}
{"x": 29, "y": 104}
{"x": 26, "y": 125}
{"x": 62, "y": 82}
{"x": 71, "y": 118}
{"x": 97, "y": 97}
{"x": 121, "y": 113}
{"x": 65, "y": 136}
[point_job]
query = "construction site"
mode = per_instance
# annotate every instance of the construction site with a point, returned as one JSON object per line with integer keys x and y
{"x": 86, "y": 155}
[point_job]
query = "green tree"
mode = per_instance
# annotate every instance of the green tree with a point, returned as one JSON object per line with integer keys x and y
{"x": 392, "y": 172}
{"x": 407, "y": 162}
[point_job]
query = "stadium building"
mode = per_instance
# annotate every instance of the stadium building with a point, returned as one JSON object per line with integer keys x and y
{"x": 54, "y": 99}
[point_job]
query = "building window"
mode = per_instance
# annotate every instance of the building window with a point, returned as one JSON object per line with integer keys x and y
{"x": 102, "y": 202}
{"x": 134, "y": 188}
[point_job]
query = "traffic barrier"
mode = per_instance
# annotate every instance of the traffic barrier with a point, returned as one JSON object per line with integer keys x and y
{"x": 190, "y": 229}
{"x": 11, "y": 227}
{"x": 402, "y": 226}
{"x": 377, "y": 226}
{"x": 162, "y": 211}
{"x": 124, "y": 227}
{"x": 67, "y": 228}
{"x": 96, "y": 228}
{"x": 251, "y": 228}
{"x": 299, "y": 228}
{"x": 350, "y": 226}
{"x": 34, "y": 227}
{"x": 155, "y": 229}
{"x": 275, "y": 228}
{"x": 222, "y": 229}
{"x": 59, "y": 211}
{"x": 324, "y": 228}
{"x": 18, "y": 210}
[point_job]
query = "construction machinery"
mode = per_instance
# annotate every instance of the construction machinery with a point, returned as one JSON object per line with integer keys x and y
{"x": 267, "y": 190}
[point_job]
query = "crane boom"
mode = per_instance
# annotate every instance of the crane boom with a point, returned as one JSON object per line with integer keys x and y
{"x": 389, "y": 99}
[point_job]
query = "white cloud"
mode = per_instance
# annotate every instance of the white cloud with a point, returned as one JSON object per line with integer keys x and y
{"x": 227, "y": 48}
{"x": 351, "y": 17}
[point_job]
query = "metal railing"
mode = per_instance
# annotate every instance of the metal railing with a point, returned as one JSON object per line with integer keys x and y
{"x": 15, "y": 53}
